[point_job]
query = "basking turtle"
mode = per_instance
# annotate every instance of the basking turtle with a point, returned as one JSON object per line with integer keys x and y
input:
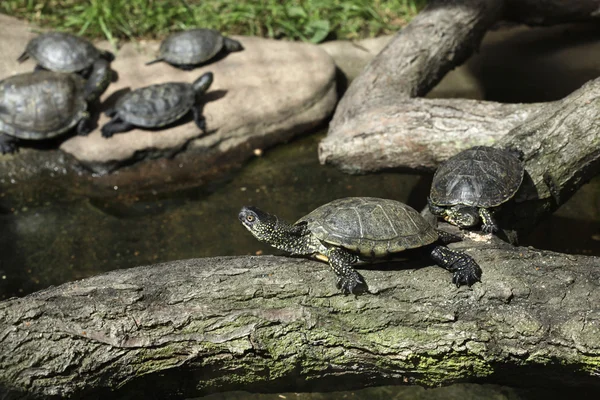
{"x": 350, "y": 229}
{"x": 193, "y": 47}
{"x": 42, "y": 105}
{"x": 468, "y": 185}
{"x": 158, "y": 105}
{"x": 64, "y": 52}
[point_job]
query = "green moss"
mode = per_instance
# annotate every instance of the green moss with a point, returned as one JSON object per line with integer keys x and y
{"x": 452, "y": 367}
{"x": 591, "y": 364}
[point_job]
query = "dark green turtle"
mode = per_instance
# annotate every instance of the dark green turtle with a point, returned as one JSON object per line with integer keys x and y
{"x": 42, "y": 105}
{"x": 194, "y": 47}
{"x": 350, "y": 229}
{"x": 64, "y": 52}
{"x": 470, "y": 185}
{"x": 158, "y": 105}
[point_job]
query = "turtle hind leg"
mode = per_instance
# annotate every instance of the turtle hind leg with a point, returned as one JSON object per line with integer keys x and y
{"x": 23, "y": 57}
{"x": 8, "y": 144}
{"x": 199, "y": 119}
{"x": 463, "y": 267}
{"x": 115, "y": 125}
{"x": 447, "y": 237}
{"x": 488, "y": 224}
{"x": 349, "y": 281}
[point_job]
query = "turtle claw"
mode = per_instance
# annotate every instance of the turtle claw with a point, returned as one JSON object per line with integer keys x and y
{"x": 463, "y": 267}
{"x": 466, "y": 277}
{"x": 7, "y": 144}
{"x": 489, "y": 228}
{"x": 467, "y": 272}
{"x": 351, "y": 284}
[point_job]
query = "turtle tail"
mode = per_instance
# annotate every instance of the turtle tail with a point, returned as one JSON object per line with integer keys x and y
{"x": 23, "y": 57}
{"x": 155, "y": 61}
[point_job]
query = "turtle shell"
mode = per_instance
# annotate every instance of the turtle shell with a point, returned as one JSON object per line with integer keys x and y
{"x": 480, "y": 176}
{"x": 370, "y": 226}
{"x": 191, "y": 47}
{"x": 62, "y": 52}
{"x": 41, "y": 105}
{"x": 156, "y": 105}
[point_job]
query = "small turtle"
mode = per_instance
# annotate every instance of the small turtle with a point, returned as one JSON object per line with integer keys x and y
{"x": 42, "y": 105}
{"x": 468, "y": 185}
{"x": 158, "y": 105}
{"x": 64, "y": 52}
{"x": 350, "y": 229}
{"x": 188, "y": 49}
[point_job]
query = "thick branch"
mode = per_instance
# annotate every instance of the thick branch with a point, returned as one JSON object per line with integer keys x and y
{"x": 379, "y": 122}
{"x": 442, "y": 36}
{"x": 561, "y": 146}
{"x": 195, "y": 326}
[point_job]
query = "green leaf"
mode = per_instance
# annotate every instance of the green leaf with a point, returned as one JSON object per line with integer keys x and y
{"x": 319, "y": 30}
{"x": 296, "y": 12}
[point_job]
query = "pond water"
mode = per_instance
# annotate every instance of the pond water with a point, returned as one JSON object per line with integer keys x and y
{"x": 73, "y": 234}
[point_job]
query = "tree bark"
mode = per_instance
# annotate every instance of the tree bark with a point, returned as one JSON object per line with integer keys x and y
{"x": 274, "y": 323}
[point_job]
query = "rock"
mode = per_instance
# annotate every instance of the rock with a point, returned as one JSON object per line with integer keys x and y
{"x": 263, "y": 95}
{"x": 15, "y": 35}
{"x": 352, "y": 56}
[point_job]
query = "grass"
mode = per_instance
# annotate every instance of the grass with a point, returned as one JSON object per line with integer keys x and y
{"x": 307, "y": 20}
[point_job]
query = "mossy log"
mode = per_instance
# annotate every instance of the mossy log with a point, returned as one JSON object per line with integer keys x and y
{"x": 274, "y": 323}
{"x": 382, "y": 122}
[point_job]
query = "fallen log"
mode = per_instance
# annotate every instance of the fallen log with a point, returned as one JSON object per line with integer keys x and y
{"x": 270, "y": 323}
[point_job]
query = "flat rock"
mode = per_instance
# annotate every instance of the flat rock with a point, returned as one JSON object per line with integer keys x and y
{"x": 260, "y": 96}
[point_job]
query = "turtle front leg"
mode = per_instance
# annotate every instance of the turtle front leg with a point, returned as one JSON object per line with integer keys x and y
{"x": 435, "y": 210}
{"x": 115, "y": 125}
{"x": 341, "y": 262}
{"x": 488, "y": 224}
{"x": 199, "y": 119}
{"x": 464, "y": 268}
{"x": 85, "y": 126}
{"x": 8, "y": 144}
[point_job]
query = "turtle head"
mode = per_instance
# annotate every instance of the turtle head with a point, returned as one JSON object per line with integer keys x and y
{"x": 463, "y": 217}
{"x": 202, "y": 84}
{"x": 232, "y": 44}
{"x": 261, "y": 224}
{"x": 98, "y": 80}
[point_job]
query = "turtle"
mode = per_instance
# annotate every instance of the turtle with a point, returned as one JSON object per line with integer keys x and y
{"x": 351, "y": 229}
{"x": 468, "y": 187}
{"x": 191, "y": 48}
{"x": 158, "y": 105}
{"x": 42, "y": 105}
{"x": 64, "y": 52}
